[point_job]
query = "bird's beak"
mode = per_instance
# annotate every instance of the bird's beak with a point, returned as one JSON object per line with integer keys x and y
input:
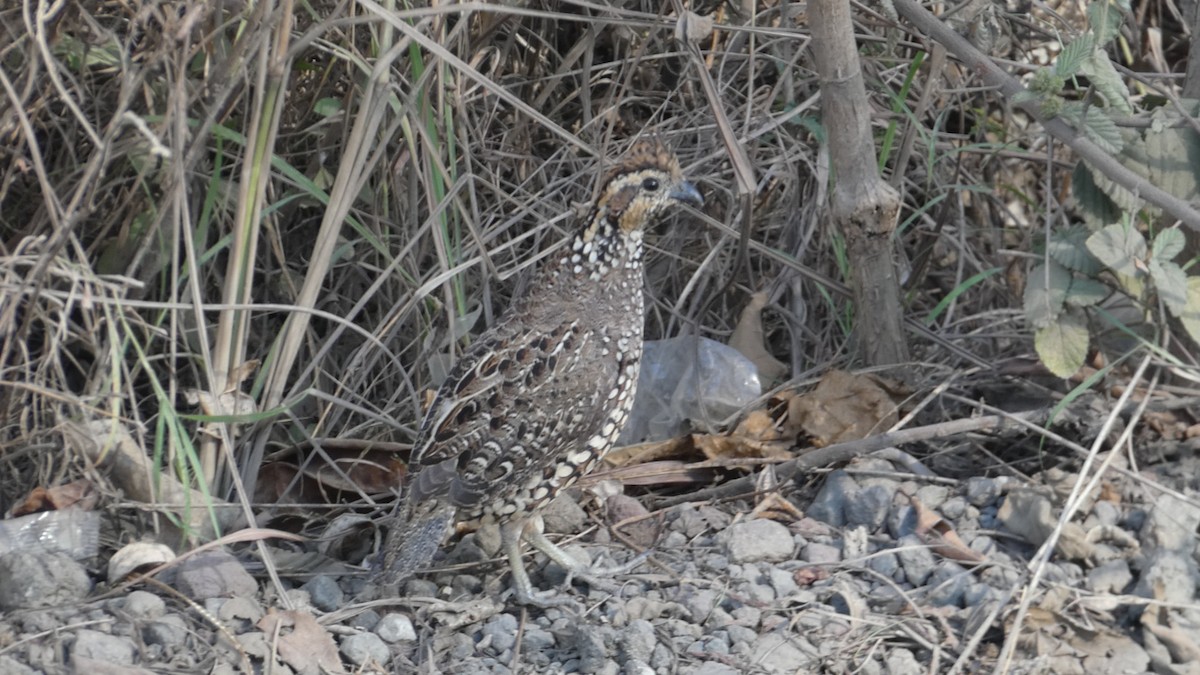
{"x": 688, "y": 194}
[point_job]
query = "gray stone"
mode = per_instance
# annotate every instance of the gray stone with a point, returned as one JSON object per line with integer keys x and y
{"x": 982, "y": 491}
{"x": 714, "y": 668}
{"x": 747, "y": 616}
{"x": 741, "y": 634}
{"x": 324, "y": 593}
{"x": 916, "y": 559}
{"x": 869, "y": 508}
{"x": 11, "y": 666}
{"x": 933, "y": 496}
{"x": 663, "y": 660}
{"x": 759, "y": 539}
{"x": 1167, "y": 574}
{"x": 143, "y": 605}
{"x": 213, "y": 574}
{"x": 820, "y": 554}
{"x": 590, "y": 647}
{"x": 395, "y": 627}
{"x": 99, "y": 646}
{"x": 240, "y": 613}
{"x": 829, "y": 506}
{"x": 537, "y": 639}
{"x": 363, "y": 648}
{"x": 420, "y": 588}
{"x": 1111, "y": 577}
{"x": 365, "y": 620}
{"x": 783, "y": 581}
{"x": 502, "y": 629}
{"x": 954, "y": 508}
{"x": 637, "y": 641}
{"x": 1106, "y": 512}
{"x": 902, "y": 521}
{"x": 563, "y": 515}
{"x": 902, "y": 662}
{"x": 30, "y": 579}
{"x": 778, "y": 653}
{"x": 699, "y": 602}
{"x": 885, "y": 563}
{"x": 169, "y": 631}
{"x": 947, "y": 584}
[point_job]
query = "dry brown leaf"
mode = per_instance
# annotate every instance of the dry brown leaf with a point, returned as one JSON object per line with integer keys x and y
{"x": 642, "y": 453}
{"x": 719, "y": 448}
{"x": 80, "y": 494}
{"x": 758, "y": 425}
{"x": 302, "y": 642}
{"x": 843, "y": 407}
{"x": 941, "y": 537}
{"x": 748, "y": 339}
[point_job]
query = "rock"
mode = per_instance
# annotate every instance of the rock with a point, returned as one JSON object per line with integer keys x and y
{"x": 363, "y": 648}
{"x": 143, "y": 605}
{"x": 947, "y": 584}
{"x": 982, "y": 491}
{"x": 240, "y": 613}
{"x": 916, "y": 559}
{"x": 30, "y": 579}
{"x": 784, "y": 582}
{"x": 819, "y": 554}
{"x": 563, "y": 515}
{"x": 933, "y": 496}
{"x": 169, "y": 631}
{"x": 869, "y": 508}
{"x": 589, "y": 644}
{"x": 778, "y": 653}
{"x": 620, "y": 507}
{"x": 11, "y": 666}
{"x": 214, "y": 574}
{"x": 1111, "y": 577}
{"x": 829, "y": 506}
{"x": 366, "y": 620}
{"x": 760, "y": 540}
{"x": 324, "y": 592}
{"x": 902, "y": 662}
{"x": 637, "y": 642}
{"x": 714, "y": 668}
{"x": 420, "y": 588}
{"x": 537, "y": 639}
{"x": 502, "y": 629}
{"x": 395, "y": 627}
{"x": 99, "y": 646}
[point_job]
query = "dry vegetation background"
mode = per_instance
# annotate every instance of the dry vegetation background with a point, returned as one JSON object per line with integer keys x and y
{"x": 249, "y": 237}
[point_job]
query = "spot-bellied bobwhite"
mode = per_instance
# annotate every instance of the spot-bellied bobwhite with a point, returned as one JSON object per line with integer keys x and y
{"x": 539, "y": 398}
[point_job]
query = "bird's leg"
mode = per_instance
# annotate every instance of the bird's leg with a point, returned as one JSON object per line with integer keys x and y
{"x": 510, "y": 539}
{"x": 594, "y": 576}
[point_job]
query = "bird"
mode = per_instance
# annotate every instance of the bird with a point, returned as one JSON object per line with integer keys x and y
{"x": 538, "y": 399}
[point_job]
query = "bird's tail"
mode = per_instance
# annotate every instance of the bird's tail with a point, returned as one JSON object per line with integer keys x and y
{"x": 413, "y": 540}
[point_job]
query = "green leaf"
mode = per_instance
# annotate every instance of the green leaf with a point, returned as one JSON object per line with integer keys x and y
{"x": 1073, "y": 55}
{"x": 1068, "y": 247}
{"x": 1190, "y": 316}
{"x": 1062, "y": 345}
{"x": 1045, "y": 291}
{"x": 1086, "y": 292}
{"x": 1172, "y": 284}
{"x": 327, "y": 107}
{"x": 1119, "y": 247}
{"x": 1097, "y": 207}
{"x": 1108, "y": 83}
{"x": 1168, "y": 244}
{"x": 1093, "y": 122}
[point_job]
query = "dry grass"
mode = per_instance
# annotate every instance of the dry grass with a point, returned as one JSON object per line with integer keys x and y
{"x": 185, "y": 192}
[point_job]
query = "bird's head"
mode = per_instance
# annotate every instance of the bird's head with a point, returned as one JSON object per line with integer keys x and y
{"x": 643, "y": 184}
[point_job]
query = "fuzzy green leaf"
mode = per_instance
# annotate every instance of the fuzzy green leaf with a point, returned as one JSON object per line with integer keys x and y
{"x": 1120, "y": 247}
{"x": 1097, "y": 207}
{"x": 1068, "y": 247}
{"x": 1086, "y": 292}
{"x": 1168, "y": 244}
{"x": 1073, "y": 55}
{"x": 1045, "y": 291}
{"x": 1172, "y": 284}
{"x": 1190, "y": 316}
{"x": 1062, "y": 345}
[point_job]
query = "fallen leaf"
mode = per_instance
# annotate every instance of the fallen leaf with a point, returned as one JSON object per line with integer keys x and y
{"x": 303, "y": 643}
{"x": 748, "y": 339}
{"x": 941, "y": 537}
{"x": 843, "y": 407}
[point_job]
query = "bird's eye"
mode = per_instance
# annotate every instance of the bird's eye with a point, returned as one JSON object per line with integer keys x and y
{"x": 650, "y": 184}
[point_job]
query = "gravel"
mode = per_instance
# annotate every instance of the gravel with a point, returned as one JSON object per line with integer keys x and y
{"x": 732, "y": 595}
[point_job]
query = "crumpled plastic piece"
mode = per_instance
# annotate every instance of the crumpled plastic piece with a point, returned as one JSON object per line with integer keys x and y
{"x": 685, "y": 382}
{"x": 74, "y": 532}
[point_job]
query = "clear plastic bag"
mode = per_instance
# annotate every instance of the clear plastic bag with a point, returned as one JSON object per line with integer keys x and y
{"x": 685, "y": 382}
{"x": 74, "y": 532}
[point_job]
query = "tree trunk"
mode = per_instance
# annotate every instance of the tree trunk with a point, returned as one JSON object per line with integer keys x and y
{"x": 864, "y": 207}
